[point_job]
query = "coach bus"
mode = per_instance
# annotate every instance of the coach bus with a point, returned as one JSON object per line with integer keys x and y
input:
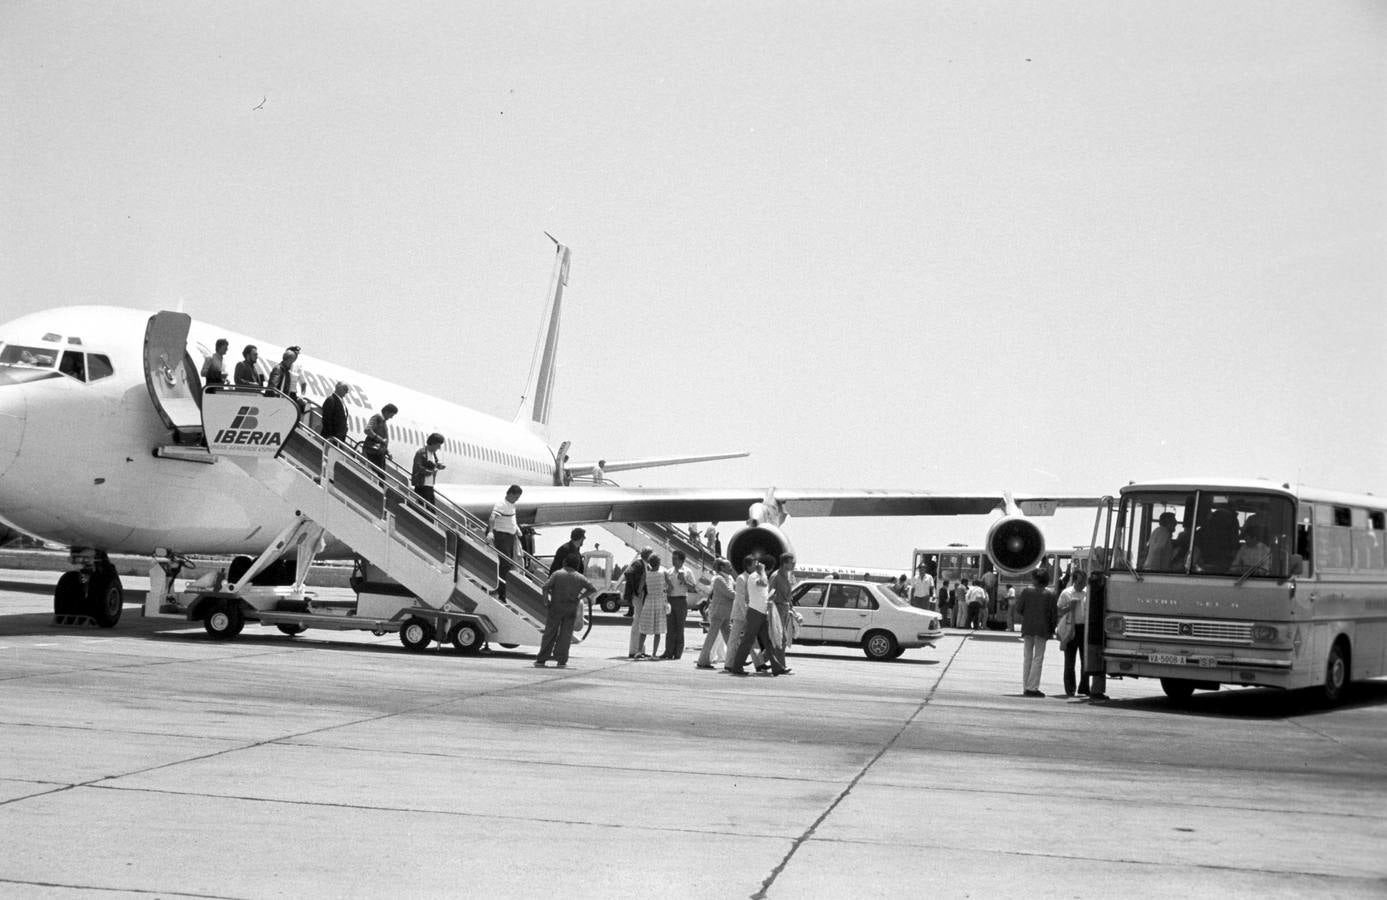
{"x": 1243, "y": 582}
{"x": 958, "y": 561}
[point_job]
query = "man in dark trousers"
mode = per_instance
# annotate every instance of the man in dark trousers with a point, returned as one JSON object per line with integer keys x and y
{"x": 426, "y": 466}
{"x": 564, "y": 590}
{"x": 683, "y": 585}
{"x": 335, "y": 414}
{"x": 573, "y": 547}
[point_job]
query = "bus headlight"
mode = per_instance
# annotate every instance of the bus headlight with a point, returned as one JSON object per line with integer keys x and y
{"x": 1115, "y": 625}
{"x": 1265, "y": 634}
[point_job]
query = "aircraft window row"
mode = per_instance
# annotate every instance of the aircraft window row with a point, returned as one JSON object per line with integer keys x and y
{"x": 414, "y": 436}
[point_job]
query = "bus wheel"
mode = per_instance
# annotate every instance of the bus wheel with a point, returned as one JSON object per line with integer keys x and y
{"x": 879, "y": 645}
{"x": 416, "y": 634}
{"x": 1177, "y": 689}
{"x": 467, "y": 637}
{"x": 1335, "y": 674}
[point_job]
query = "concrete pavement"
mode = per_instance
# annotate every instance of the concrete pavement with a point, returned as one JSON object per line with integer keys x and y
{"x": 149, "y": 759}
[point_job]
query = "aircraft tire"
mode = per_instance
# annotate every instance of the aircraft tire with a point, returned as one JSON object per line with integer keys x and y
{"x": 292, "y": 630}
{"x": 107, "y": 599}
{"x": 416, "y": 634}
{"x": 70, "y": 595}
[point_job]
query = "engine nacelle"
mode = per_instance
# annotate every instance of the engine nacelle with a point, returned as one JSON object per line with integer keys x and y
{"x": 1015, "y": 545}
{"x": 765, "y": 541}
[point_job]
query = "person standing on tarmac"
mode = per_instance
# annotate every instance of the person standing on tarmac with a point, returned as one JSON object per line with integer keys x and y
{"x": 1038, "y": 614}
{"x": 426, "y": 467}
{"x": 335, "y": 414}
{"x": 564, "y": 590}
{"x": 633, "y": 594}
{"x": 720, "y": 600}
{"x": 682, "y": 585}
{"x": 922, "y": 589}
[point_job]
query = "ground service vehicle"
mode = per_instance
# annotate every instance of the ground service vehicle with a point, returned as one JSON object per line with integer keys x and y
{"x": 1242, "y": 581}
{"x": 862, "y": 614}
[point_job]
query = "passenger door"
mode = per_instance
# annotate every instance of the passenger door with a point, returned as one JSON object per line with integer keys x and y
{"x": 170, "y": 374}
{"x": 847, "y": 613}
{"x": 809, "y": 600}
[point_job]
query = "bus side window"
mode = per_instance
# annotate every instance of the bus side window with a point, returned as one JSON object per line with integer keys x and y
{"x": 1303, "y": 545}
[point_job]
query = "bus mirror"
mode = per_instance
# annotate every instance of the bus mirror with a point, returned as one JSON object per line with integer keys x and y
{"x": 1297, "y": 564}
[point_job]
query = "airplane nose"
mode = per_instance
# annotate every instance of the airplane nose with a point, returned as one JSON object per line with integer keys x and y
{"x": 12, "y": 413}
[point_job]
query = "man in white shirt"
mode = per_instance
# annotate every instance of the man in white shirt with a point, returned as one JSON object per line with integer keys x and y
{"x": 922, "y": 589}
{"x": 977, "y": 605}
{"x": 757, "y": 629}
{"x": 504, "y": 530}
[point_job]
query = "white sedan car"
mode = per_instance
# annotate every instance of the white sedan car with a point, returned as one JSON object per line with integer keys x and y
{"x": 862, "y": 614}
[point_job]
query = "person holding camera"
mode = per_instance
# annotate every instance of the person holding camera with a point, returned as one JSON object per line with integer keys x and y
{"x": 426, "y": 468}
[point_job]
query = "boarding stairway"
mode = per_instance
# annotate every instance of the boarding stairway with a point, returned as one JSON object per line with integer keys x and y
{"x": 437, "y": 552}
{"x": 664, "y": 539}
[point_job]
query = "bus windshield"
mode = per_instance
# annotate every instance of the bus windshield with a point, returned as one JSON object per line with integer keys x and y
{"x": 1207, "y": 532}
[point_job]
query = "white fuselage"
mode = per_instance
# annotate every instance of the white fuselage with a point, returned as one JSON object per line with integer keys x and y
{"x": 77, "y": 462}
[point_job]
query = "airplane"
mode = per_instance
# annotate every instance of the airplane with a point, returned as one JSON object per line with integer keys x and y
{"x": 101, "y": 449}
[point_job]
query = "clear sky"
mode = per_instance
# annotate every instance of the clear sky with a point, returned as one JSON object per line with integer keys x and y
{"x": 946, "y": 246}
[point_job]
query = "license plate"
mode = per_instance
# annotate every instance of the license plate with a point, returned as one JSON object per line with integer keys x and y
{"x": 1169, "y": 659}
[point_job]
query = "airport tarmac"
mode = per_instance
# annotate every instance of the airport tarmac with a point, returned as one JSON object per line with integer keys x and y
{"x": 151, "y": 760}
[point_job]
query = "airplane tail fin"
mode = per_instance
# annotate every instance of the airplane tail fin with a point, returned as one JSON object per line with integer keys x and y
{"x": 539, "y": 384}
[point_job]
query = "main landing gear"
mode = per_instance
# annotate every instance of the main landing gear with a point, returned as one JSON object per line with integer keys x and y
{"x": 91, "y": 593}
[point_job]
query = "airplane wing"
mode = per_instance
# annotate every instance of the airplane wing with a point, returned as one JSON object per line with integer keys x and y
{"x": 649, "y": 462}
{"x": 582, "y": 505}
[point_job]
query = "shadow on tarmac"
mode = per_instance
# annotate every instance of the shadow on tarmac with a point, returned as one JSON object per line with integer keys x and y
{"x": 1258, "y": 703}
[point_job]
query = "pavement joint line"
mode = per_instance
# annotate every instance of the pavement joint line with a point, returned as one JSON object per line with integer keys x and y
{"x": 453, "y": 813}
{"x": 1331, "y": 738}
{"x": 56, "y": 790}
{"x": 814, "y": 826}
{"x": 1123, "y": 861}
{"x": 108, "y": 889}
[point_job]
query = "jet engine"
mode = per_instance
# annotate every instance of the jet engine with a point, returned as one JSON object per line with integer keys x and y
{"x": 765, "y": 541}
{"x": 1015, "y": 545}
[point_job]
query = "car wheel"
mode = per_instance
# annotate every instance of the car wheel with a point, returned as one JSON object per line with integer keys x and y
{"x": 879, "y": 645}
{"x": 1336, "y": 674}
{"x": 610, "y": 604}
{"x": 1177, "y": 689}
{"x": 467, "y": 637}
{"x": 897, "y": 653}
{"x": 416, "y": 634}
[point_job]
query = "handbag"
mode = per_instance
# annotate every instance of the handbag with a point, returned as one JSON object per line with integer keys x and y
{"x": 1064, "y": 632}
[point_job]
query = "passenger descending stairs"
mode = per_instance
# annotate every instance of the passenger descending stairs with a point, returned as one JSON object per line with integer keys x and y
{"x": 440, "y": 554}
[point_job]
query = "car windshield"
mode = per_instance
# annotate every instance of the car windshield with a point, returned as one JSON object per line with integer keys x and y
{"x": 28, "y": 357}
{"x": 1205, "y": 532}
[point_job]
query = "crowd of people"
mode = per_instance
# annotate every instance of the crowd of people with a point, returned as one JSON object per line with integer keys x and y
{"x": 750, "y": 618}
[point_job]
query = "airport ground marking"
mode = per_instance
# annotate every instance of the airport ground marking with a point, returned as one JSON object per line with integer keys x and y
{"x": 842, "y": 795}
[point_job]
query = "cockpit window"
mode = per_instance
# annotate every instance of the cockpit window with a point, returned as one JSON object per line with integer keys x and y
{"x": 73, "y": 365}
{"x": 98, "y": 367}
{"x": 30, "y": 357}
